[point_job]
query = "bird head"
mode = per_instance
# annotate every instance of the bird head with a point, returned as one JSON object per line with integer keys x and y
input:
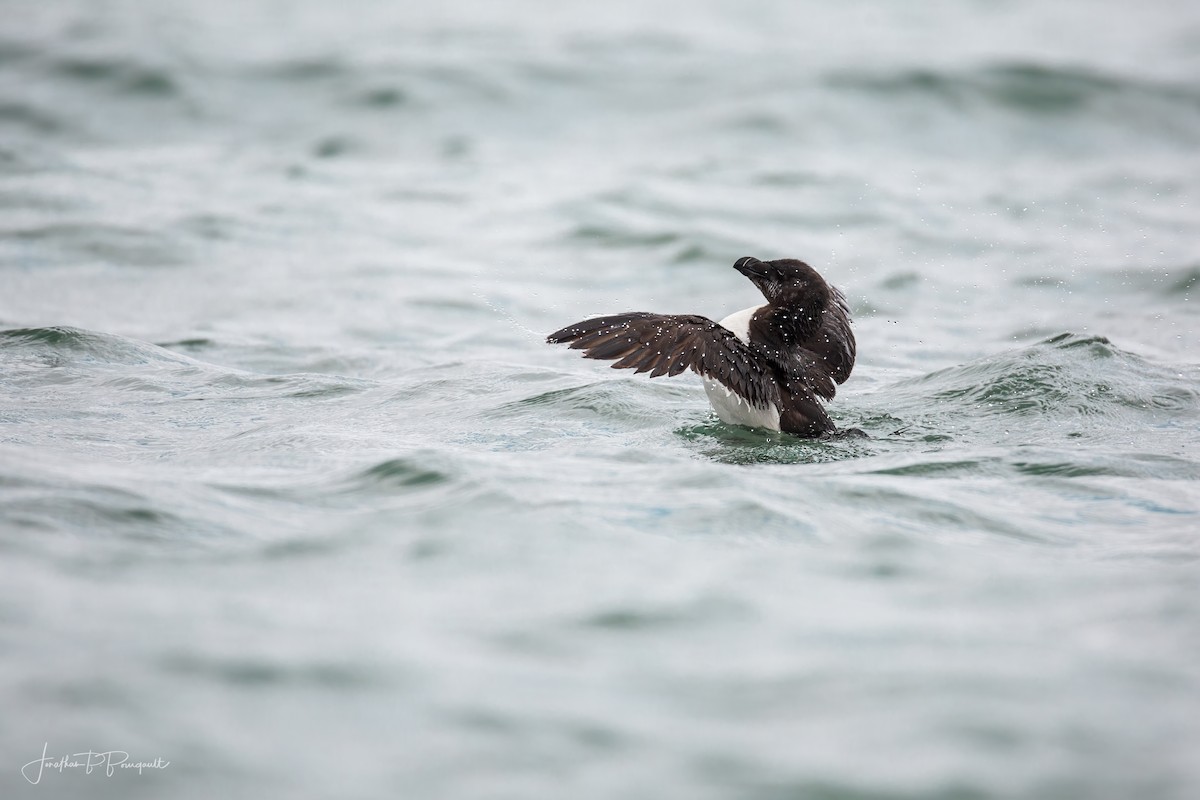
{"x": 785, "y": 281}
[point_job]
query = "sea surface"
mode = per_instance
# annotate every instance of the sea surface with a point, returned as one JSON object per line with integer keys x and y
{"x": 295, "y": 501}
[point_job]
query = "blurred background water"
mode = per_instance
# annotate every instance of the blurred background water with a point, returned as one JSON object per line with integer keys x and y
{"x": 294, "y": 496}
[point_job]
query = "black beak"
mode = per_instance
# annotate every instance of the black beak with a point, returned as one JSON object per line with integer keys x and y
{"x": 751, "y": 267}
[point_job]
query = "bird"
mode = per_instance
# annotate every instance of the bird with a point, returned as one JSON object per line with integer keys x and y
{"x": 767, "y": 366}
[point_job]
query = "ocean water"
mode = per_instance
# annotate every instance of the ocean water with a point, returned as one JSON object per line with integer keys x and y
{"x": 296, "y": 502}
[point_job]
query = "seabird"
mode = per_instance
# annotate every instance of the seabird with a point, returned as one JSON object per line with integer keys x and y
{"x": 763, "y": 367}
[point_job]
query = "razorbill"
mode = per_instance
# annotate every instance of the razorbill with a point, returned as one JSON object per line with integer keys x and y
{"x": 763, "y": 367}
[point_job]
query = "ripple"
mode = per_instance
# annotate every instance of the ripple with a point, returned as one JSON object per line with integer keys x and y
{"x": 928, "y": 509}
{"x": 734, "y": 444}
{"x": 1022, "y": 87}
{"x": 303, "y": 70}
{"x": 702, "y": 611}
{"x": 42, "y": 358}
{"x": 401, "y": 473}
{"x": 116, "y": 244}
{"x": 941, "y": 469}
{"x": 52, "y": 499}
{"x": 1165, "y": 282}
{"x": 13, "y": 51}
{"x": 383, "y": 97}
{"x": 335, "y": 146}
{"x": 122, "y": 74}
{"x": 622, "y": 399}
{"x": 30, "y": 117}
{"x": 618, "y": 236}
{"x": 1185, "y": 281}
{"x": 261, "y": 672}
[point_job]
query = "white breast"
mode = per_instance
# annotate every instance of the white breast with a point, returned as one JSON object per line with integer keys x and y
{"x": 739, "y": 323}
{"x": 732, "y": 408}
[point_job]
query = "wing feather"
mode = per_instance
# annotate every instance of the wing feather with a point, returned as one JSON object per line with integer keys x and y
{"x": 833, "y": 344}
{"x": 663, "y": 344}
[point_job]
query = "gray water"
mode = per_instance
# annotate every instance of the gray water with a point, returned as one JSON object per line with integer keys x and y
{"x": 294, "y": 497}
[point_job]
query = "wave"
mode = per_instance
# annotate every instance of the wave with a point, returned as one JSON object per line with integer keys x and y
{"x": 1067, "y": 374}
{"x": 400, "y": 473}
{"x": 1158, "y": 108}
{"x": 119, "y": 73}
{"x": 64, "y": 342}
{"x": 115, "y": 504}
{"x": 1166, "y": 282}
{"x": 122, "y": 245}
{"x": 1070, "y": 406}
{"x": 13, "y": 51}
{"x": 32, "y": 118}
{"x": 50, "y": 356}
{"x": 623, "y": 401}
{"x": 1033, "y": 88}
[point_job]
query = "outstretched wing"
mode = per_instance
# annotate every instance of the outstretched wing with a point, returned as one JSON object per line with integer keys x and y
{"x": 664, "y": 344}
